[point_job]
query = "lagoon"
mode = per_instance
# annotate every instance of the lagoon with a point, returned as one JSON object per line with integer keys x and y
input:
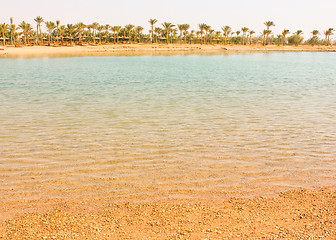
{"x": 153, "y": 127}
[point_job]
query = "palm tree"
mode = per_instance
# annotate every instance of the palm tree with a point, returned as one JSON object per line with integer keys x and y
{"x": 202, "y": 27}
{"x": 94, "y": 27}
{"x": 100, "y": 28}
{"x": 217, "y": 36}
{"x": 226, "y": 32}
{"x": 157, "y": 32}
{"x": 12, "y": 29}
{"x": 191, "y": 36}
{"x": 314, "y": 38}
{"x": 251, "y": 32}
{"x": 297, "y": 37}
{"x": 180, "y": 28}
{"x": 129, "y": 28}
{"x": 61, "y": 32}
{"x": 185, "y": 30}
{"x": 51, "y": 26}
{"x": 284, "y": 33}
{"x": 89, "y": 27}
{"x": 115, "y": 30}
{"x": 80, "y": 28}
{"x": 57, "y": 29}
{"x": 279, "y": 37}
{"x": 207, "y": 29}
{"x": 265, "y": 34}
{"x": 138, "y": 30}
{"x": 31, "y": 34}
{"x": 268, "y": 24}
{"x": 244, "y": 30}
{"x": 70, "y": 29}
{"x": 237, "y": 39}
{"x": 211, "y": 35}
{"x": 267, "y": 37}
{"x": 3, "y": 30}
{"x": 327, "y": 34}
{"x": 106, "y": 27}
{"x": 168, "y": 28}
{"x": 25, "y": 28}
{"x": 39, "y": 20}
{"x": 152, "y": 22}
{"x": 173, "y": 34}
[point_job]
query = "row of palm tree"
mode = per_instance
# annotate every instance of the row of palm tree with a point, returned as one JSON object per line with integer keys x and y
{"x": 168, "y": 33}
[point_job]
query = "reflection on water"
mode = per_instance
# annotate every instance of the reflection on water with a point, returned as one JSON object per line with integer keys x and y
{"x": 166, "y": 126}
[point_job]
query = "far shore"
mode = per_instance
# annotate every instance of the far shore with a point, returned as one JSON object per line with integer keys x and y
{"x": 151, "y": 49}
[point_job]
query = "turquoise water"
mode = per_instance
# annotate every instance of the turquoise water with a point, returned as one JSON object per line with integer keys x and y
{"x": 167, "y": 126}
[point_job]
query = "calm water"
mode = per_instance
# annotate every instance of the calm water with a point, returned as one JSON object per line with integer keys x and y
{"x": 166, "y": 126}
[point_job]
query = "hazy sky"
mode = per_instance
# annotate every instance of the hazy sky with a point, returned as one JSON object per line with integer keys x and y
{"x": 291, "y": 14}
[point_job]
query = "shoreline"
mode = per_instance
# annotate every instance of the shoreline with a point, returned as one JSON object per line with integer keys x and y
{"x": 293, "y": 214}
{"x": 151, "y": 49}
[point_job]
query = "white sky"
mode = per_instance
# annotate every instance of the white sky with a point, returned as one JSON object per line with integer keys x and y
{"x": 291, "y": 14}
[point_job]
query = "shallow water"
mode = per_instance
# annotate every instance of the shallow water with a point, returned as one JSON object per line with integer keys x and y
{"x": 166, "y": 126}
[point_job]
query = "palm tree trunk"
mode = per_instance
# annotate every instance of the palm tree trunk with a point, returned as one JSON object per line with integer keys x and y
{"x": 37, "y": 33}
{"x": 3, "y": 38}
{"x": 152, "y": 34}
{"x": 40, "y": 32}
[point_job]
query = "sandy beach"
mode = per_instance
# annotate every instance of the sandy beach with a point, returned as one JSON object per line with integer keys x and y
{"x": 296, "y": 214}
{"x": 150, "y": 49}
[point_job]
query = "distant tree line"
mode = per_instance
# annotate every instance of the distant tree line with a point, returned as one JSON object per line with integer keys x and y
{"x": 168, "y": 33}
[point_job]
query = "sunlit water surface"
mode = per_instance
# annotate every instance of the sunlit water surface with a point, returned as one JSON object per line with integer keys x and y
{"x": 166, "y": 126}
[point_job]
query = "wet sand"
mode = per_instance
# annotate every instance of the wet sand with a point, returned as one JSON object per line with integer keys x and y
{"x": 296, "y": 214}
{"x": 148, "y": 49}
